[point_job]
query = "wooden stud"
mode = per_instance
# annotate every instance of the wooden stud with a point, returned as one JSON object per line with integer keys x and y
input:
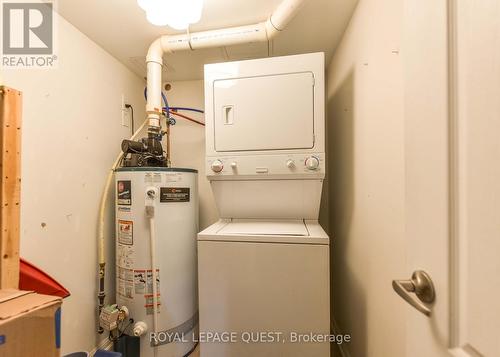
{"x": 10, "y": 185}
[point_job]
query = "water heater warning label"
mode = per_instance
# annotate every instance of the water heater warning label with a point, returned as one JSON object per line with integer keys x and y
{"x": 124, "y": 193}
{"x": 149, "y": 304}
{"x": 125, "y": 256}
{"x": 125, "y": 282}
{"x": 143, "y": 281}
{"x": 125, "y": 232}
{"x": 174, "y": 194}
{"x": 125, "y": 289}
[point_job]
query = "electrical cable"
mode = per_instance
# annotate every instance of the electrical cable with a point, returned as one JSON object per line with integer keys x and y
{"x": 129, "y": 106}
{"x": 130, "y": 322}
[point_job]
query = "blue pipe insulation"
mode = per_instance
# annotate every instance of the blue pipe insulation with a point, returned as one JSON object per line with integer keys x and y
{"x": 167, "y": 107}
{"x": 188, "y": 109}
{"x": 162, "y": 96}
{"x": 165, "y": 101}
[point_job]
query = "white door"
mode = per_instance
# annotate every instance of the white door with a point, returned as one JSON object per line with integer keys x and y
{"x": 452, "y": 127}
{"x": 427, "y": 161}
{"x": 477, "y": 327}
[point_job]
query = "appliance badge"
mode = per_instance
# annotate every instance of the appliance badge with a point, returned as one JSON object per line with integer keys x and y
{"x": 174, "y": 194}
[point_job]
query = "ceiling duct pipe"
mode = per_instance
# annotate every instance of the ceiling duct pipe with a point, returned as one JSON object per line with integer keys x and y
{"x": 260, "y": 32}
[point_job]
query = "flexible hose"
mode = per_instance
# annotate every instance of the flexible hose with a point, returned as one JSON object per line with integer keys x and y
{"x": 185, "y": 117}
{"x": 165, "y": 101}
{"x": 100, "y": 227}
{"x": 162, "y": 96}
{"x": 188, "y": 109}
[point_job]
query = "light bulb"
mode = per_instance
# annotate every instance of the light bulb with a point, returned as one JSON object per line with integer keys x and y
{"x": 178, "y": 24}
{"x": 196, "y": 9}
{"x": 157, "y": 18}
{"x": 178, "y": 14}
{"x": 145, "y": 4}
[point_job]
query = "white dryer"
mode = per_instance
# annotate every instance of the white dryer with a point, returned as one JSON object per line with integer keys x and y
{"x": 263, "y": 269}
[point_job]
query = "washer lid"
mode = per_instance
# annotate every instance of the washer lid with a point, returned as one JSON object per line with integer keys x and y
{"x": 265, "y": 227}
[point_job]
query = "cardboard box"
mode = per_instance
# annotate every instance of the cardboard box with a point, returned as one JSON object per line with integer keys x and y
{"x": 30, "y": 324}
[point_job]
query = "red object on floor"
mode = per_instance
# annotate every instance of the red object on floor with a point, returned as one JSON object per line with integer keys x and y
{"x": 33, "y": 279}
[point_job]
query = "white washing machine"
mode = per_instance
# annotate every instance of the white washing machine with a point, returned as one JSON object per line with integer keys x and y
{"x": 264, "y": 277}
{"x": 263, "y": 269}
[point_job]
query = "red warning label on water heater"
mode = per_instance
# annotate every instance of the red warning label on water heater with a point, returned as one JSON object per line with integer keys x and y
{"x": 125, "y": 232}
{"x": 174, "y": 194}
{"x": 149, "y": 303}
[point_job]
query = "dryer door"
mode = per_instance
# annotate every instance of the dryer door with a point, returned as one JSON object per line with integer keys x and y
{"x": 273, "y": 112}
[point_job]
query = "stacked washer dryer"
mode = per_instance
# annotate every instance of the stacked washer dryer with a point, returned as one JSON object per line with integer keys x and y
{"x": 264, "y": 267}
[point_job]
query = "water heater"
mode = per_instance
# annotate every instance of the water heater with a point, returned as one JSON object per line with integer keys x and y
{"x": 162, "y": 201}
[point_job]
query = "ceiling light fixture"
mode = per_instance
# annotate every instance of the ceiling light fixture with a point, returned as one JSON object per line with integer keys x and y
{"x": 178, "y": 14}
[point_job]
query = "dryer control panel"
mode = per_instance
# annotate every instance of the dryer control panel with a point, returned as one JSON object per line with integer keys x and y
{"x": 308, "y": 165}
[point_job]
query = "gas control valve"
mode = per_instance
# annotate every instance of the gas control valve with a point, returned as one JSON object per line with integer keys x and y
{"x": 112, "y": 315}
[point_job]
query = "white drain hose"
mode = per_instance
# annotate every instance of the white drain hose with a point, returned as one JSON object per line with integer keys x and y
{"x": 151, "y": 193}
{"x": 100, "y": 226}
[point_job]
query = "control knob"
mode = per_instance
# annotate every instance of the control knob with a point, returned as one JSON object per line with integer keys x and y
{"x": 217, "y": 166}
{"x": 312, "y": 163}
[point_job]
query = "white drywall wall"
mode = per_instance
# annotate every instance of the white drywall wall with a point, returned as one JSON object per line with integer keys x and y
{"x": 71, "y": 135}
{"x": 365, "y": 124}
{"x": 188, "y": 142}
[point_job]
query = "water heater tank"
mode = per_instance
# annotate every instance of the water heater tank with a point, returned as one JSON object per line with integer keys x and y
{"x": 176, "y": 226}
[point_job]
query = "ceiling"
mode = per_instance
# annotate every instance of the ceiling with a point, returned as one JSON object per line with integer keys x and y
{"x": 121, "y": 28}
